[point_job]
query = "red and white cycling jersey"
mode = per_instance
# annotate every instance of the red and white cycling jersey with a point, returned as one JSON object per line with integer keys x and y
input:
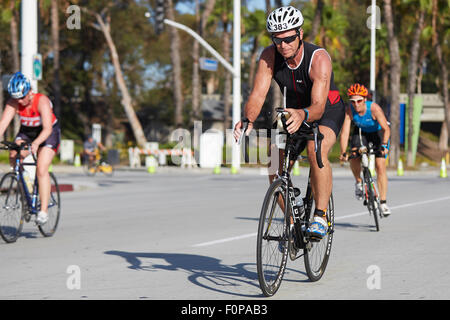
{"x": 30, "y": 116}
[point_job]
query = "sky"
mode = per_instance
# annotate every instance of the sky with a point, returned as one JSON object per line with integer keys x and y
{"x": 251, "y": 4}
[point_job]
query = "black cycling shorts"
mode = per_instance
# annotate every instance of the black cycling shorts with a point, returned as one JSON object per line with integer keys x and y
{"x": 366, "y": 137}
{"x": 29, "y": 134}
{"x": 333, "y": 117}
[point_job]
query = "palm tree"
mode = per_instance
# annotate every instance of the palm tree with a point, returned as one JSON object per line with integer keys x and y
{"x": 103, "y": 24}
{"x": 442, "y": 63}
{"x": 412, "y": 79}
{"x": 201, "y": 21}
{"x": 395, "y": 72}
{"x": 15, "y": 49}
{"x": 316, "y": 21}
{"x": 55, "y": 45}
{"x": 176, "y": 65}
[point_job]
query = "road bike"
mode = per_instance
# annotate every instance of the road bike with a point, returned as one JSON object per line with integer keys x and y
{"x": 91, "y": 167}
{"x": 284, "y": 220}
{"x": 370, "y": 194}
{"x": 19, "y": 198}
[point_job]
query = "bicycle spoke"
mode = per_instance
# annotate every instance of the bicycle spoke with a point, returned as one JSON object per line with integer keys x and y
{"x": 272, "y": 242}
{"x": 11, "y": 221}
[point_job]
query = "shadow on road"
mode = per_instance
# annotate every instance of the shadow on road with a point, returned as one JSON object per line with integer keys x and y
{"x": 355, "y": 227}
{"x": 206, "y": 272}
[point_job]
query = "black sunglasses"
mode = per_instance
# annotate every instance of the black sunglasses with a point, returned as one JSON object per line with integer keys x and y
{"x": 290, "y": 39}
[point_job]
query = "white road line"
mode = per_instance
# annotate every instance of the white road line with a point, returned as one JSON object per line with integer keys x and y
{"x": 204, "y": 244}
{"x": 249, "y": 235}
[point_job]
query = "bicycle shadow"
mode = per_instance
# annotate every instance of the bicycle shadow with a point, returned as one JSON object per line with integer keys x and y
{"x": 206, "y": 272}
{"x": 362, "y": 227}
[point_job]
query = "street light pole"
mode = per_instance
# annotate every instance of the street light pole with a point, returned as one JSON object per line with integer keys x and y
{"x": 236, "y": 159}
{"x": 29, "y": 38}
{"x": 373, "y": 49}
{"x": 235, "y": 70}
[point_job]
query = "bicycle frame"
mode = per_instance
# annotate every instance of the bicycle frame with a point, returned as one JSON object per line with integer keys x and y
{"x": 301, "y": 223}
{"x": 31, "y": 196}
{"x": 365, "y": 152}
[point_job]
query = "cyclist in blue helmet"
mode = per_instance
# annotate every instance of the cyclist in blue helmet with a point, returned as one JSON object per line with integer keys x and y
{"x": 38, "y": 126}
{"x": 18, "y": 86}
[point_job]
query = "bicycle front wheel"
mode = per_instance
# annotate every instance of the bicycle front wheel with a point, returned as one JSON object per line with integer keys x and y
{"x": 272, "y": 242}
{"x": 11, "y": 208}
{"x": 372, "y": 204}
{"x": 54, "y": 209}
{"x": 317, "y": 253}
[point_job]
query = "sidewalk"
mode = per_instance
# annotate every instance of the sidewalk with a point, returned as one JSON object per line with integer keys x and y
{"x": 338, "y": 170}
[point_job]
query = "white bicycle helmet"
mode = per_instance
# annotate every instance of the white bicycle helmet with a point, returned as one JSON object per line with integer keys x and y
{"x": 284, "y": 18}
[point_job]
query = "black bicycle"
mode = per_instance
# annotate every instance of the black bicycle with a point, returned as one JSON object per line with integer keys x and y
{"x": 283, "y": 223}
{"x": 371, "y": 198}
{"x": 19, "y": 199}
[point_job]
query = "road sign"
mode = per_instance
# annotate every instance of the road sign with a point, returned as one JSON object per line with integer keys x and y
{"x": 208, "y": 64}
{"x": 37, "y": 66}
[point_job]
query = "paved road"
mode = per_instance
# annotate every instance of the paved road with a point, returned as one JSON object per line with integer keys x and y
{"x": 193, "y": 236}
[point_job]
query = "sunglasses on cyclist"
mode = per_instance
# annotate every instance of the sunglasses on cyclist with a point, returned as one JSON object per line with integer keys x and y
{"x": 356, "y": 101}
{"x": 278, "y": 41}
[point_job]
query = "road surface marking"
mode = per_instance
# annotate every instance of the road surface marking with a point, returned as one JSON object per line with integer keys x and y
{"x": 249, "y": 235}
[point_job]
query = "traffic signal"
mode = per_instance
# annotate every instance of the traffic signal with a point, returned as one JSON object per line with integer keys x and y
{"x": 159, "y": 16}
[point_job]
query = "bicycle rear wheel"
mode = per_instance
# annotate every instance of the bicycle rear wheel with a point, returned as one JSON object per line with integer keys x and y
{"x": 272, "y": 241}
{"x": 54, "y": 209}
{"x": 107, "y": 169}
{"x": 372, "y": 204}
{"x": 317, "y": 253}
{"x": 11, "y": 208}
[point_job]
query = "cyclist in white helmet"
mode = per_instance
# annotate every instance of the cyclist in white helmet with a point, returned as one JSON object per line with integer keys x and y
{"x": 306, "y": 72}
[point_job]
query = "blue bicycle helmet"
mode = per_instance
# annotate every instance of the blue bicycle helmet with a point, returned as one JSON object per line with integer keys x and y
{"x": 19, "y": 85}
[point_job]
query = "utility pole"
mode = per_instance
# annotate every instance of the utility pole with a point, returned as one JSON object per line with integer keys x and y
{"x": 373, "y": 28}
{"x": 235, "y": 70}
{"x": 29, "y": 39}
{"x": 236, "y": 151}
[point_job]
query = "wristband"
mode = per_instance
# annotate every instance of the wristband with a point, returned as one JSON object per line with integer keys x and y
{"x": 306, "y": 114}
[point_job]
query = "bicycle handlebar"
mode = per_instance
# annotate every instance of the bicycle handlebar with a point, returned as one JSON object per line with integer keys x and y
{"x": 245, "y": 123}
{"x": 8, "y": 145}
{"x": 364, "y": 150}
{"x": 307, "y": 131}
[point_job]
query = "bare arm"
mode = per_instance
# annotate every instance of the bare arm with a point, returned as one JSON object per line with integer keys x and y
{"x": 45, "y": 111}
{"x": 7, "y": 116}
{"x": 261, "y": 86}
{"x": 345, "y": 133}
{"x": 378, "y": 115}
{"x": 320, "y": 74}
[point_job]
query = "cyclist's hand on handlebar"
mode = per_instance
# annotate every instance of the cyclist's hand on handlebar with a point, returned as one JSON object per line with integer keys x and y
{"x": 295, "y": 120}
{"x": 384, "y": 149}
{"x": 343, "y": 156}
{"x": 34, "y": 148}
{"x": 238, "y": 129}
